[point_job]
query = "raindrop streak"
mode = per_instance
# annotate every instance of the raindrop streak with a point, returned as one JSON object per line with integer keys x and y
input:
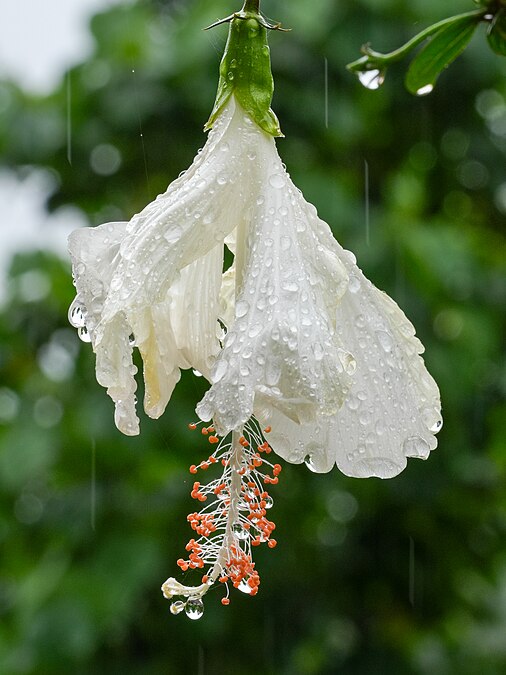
{"x": 371, "y": 79}
{"x": 411, "y": 572}
{"x": 326, "y": 70}
{"x": 366, "y": 200}
{"x": 69, "y": 119}
{"x": 93, "y": 492}
{"x": 137, "y": 108}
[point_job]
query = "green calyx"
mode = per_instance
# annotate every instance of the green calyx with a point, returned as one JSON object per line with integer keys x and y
{"x": 245, "y": 68}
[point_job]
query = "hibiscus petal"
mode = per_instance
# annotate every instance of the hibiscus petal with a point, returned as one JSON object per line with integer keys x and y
{"x": 282, "y": 347}
{"x": 158, "y": 276}
{"x": 393, "y": 409}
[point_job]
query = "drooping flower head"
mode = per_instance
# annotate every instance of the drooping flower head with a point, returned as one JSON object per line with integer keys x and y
{"x": 295, "y": 342}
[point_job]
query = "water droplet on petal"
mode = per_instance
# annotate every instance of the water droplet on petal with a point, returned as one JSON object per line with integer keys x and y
{"x": 241, "y": 308}
{"x": 347, "y": 361}
{"x": 177, "y": 607}
{"x": 219, "y": 371}
{"x": 173, "y": 234}
{"x": 194, "y": 608}
{"x": 309, "y": 462}
{"x": 354, "y": 284}
{"x": 385, "y": 340}
{"x": 276, "y": 181}
{"x": 76, "y": 315}
{"x": 415, "y": 446}
{"x": 84, "y": 334}
{"x": 371, "y": 79}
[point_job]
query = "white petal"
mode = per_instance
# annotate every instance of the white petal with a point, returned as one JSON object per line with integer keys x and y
{"x": 282, "y": 347}
{"x": 393, "y": 409}
{"x": 194, "y": 307}
{"x": 140, "y": 277}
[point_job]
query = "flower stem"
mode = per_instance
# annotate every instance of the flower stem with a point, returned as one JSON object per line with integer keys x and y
{"x": 251, "y": 6}
{"x": 373, "y": 59}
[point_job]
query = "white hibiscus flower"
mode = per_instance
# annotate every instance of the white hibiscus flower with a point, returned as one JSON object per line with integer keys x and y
{"x": 292, "y": 335}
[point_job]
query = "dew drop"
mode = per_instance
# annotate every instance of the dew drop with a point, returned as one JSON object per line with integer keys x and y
{"x": 177, "y": 607}
{"x": 423, "y": 91}
{"x": 352, "y": 403}
{"x": 415, "y": 446}
{"x": 309, "y": 462}
{"x": 371, "y": 79}
{"x": 276, "y": 181}
{"x": 173, "y": 234}
{"x": 241, "y": 308}
{"x": 268, "y": 502}
{"x": 385, "y": 340}
{"x": 219, "y": 372}
{"x": 76, "y": 316}
{"x": 255, "y": 330}
{"x": 348, "y": 362}
{"x": 194, "y": 608}
{"x": 240, "y": 532}
{"x": 286, "y": 242}
{"x": 244, "y": 587}
{"x": 353, "y": 284}
{"x": 84, "y": 334}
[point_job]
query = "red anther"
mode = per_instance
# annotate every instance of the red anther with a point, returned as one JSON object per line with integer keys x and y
{"x": 211, "y": 429}
{"x": 274, "y": 481}
{"x": 204, "y": 465}
{"x": 257, "y": 462}
{"x": 212, "y": 459}
{"x": 267, "y": 430}
{"x": 225, "y": 601}
{"x": 246, "y": 526}
{"x": 213, "y": 439}
{"x": 193, "y": 468}
{"x": 276, "y": 469}
{"x": 204, "y": 431}
{"x": 252, "y": 582}
{"x": 223, "y": 579}
{"x": 224, "y": 462}
{"x": 242, "y": 471}
{"x": 192, "y": 426}
{"x": 256, "y": 541}
{"x": 254, "y": 591}
{"x": 271, "y": 543}
{"x": 201, "y": 497}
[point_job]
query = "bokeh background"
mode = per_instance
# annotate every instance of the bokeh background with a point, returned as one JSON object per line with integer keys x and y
{"x": 369, "y": 577}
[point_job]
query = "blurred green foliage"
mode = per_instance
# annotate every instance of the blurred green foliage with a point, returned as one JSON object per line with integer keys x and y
{"x": 369, "y": 577}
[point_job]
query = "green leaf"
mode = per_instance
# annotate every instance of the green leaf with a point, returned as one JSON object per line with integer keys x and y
{"x": 496, "y": 34}
{"x": 443, "y": 48}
